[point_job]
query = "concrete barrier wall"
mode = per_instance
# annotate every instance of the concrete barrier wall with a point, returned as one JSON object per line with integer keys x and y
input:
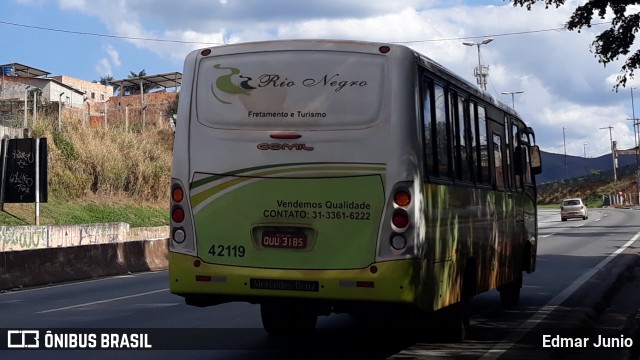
{"x": 52, "y": 265}
{"x": 17, "y": 238}
{"x": 41, "y": 255}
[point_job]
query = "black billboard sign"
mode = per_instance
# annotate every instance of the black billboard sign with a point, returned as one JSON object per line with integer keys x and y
{"x": 21, "y": 159}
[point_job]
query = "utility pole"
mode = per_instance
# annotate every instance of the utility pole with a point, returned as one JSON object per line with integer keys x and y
{"x": 564, "y": 141}
{"x": 26, "y": 94}
{"x": 636, "y": 125}
{"x": 60, "y": 111}
{"x": 613, "y": 152}
{"x": 586, "y": 172}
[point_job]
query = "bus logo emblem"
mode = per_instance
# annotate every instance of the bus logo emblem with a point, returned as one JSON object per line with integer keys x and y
{"x": 279, "y": 146}
{"x": 226, "y": 84}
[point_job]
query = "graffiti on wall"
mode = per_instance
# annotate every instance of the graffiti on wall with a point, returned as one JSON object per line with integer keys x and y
{"x": 23, "y": 237}
{"x": 15, "y": 238}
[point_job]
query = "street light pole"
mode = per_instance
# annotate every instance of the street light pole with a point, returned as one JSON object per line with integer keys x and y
{"x": 513, "y": 101}
{"x": 481, "y": 72}
{"x": 613, "y": 155}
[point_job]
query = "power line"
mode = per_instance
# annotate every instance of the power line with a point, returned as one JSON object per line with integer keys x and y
{"x": 492, "y": 35}
{"x": 84, "y": 33}
{"x": 107, "y": 35}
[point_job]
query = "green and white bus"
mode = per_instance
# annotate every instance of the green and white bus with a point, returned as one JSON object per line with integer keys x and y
{"x": 317, "y": 176}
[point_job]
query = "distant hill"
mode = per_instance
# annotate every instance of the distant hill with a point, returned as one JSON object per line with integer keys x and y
{"x": 553, "y": 166}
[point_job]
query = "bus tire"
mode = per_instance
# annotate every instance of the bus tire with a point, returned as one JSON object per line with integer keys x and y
{"x": 510, "y": 292}
{"x": 287, "y": 319}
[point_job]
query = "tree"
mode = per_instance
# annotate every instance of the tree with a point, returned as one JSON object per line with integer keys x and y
{"x": 106, "y": 80}
{"x": 612, "y": 43}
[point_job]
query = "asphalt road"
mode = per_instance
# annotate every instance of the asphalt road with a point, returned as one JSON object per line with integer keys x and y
{"x": 578, "y": 263}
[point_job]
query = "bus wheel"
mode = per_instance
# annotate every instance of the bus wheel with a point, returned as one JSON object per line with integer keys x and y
{"x": 287, "y": 319}
{"x": 510, "y": 292}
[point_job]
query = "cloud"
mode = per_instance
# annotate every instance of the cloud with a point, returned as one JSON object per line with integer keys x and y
{"x": 113, "y": 55}
{"x": 103, "y": 67}
{"x": 73, "y": 4}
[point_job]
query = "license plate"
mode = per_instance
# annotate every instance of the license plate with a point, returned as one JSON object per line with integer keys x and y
{"x": 284, "y": 239}
{"x": 278, "y": 284}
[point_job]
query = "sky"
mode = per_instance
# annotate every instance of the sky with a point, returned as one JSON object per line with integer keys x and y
{"x": 568, "y": 96}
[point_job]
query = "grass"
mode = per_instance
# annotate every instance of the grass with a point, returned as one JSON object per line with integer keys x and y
{"x": 59, "y": 212}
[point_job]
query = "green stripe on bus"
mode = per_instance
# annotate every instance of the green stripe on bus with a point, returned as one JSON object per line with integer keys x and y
{"x": 199, "y": 198}
{"x": 238, "y": 172}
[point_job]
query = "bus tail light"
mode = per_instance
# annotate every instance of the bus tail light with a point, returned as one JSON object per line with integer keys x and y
{"x": 181, "y": 234}
{"x": 400, "y": 219}
{"x": 398, "y": 242}
{"x": 177, "y": 214}
{"x": 402, "y": 222}
{"x": 402, "y": 198}
{"x": 177, "y": 194}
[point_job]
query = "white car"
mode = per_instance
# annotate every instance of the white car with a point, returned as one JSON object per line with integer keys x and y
{"x": 573, "y": 208}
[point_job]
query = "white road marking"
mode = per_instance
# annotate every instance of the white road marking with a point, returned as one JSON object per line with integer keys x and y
{"x": 102, "y": 301}
{"x": 500, "y": 349}
{"x": 72, "y": 283}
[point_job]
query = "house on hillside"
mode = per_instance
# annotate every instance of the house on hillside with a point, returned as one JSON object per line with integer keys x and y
{"x": 140, "y": 101}
{"x": 18, "y": 81}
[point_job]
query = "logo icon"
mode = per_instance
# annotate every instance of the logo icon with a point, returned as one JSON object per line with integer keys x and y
{"x": 232, "y": 83}
{"x": 20, "y": 339}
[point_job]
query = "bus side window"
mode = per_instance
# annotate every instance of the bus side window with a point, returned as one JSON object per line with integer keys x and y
{"x": 464, "y": 171}
{"x": 508, "y": 182}
{"x": 498, "y": 161}
{"x": 483, "y": 143}
{"x": 516, "y": 144}
{"x": 427, "y": 120}
{"x": 470, "y": 133}
{"x": 527, "y": 169}
{"x": 442, "y": 139}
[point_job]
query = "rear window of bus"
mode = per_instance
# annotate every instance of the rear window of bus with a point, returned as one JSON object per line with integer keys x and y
{"x": 291, "y": 90}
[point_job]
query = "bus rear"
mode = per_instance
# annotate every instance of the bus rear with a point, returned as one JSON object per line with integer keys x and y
{"x": 284, "y": 187}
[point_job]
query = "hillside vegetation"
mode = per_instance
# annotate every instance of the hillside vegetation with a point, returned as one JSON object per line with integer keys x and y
{"x": 592, "y": 192}
{"x": 101, "y": 175}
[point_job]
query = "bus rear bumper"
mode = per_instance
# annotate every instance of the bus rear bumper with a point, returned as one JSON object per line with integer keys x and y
{"x": 390, "y": 282}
